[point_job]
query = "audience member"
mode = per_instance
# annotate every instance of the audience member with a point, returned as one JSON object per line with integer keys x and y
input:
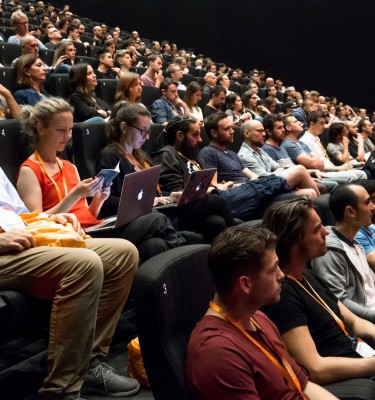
{"x": 88, "y": 295}
{"x": 129, "y": 88}
{"x": 217, "y": 100}
{"x": 123, "y": 60}
{"x": 261, "y": 164}
{"x": 8, "y": 105}
{"x": 106, "y": 69}
{"x": 176, "y": 74}
{"x": 344, "y": 267}
{"x": 54, "y": 37}
{"x": 169, "y": 105}
{"x": 235, "y": 343}
{"x": 234, "y": 107}
{"x": 29, "y": 45}
{"x": 231, "y": 171}
{"x": 31, "y": 74}
{"x": 192, "y": 97}
{"x": 366, "y": 129}
{"x": 210, "y": 80}
{"x": 20, "y": 23}
{"x": 313, "y": 323}
{"x": 86, "y": 106}
{"x": 153, "y": 75}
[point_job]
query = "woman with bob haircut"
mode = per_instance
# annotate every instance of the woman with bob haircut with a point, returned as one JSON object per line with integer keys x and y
{"x": 129, "y": 88}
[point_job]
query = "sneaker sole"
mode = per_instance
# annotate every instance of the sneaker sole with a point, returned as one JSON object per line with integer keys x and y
{"x": 105, "y": 393}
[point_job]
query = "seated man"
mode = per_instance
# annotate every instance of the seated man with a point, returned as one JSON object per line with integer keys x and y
{"x": 20, "y": 23}
{"x": 105, "y": 68}
{"x": 366, "y": 234}
{"x": 275, "y": 127}
{"x": 250, "y": 194}
{"x": 169, "y": 105}
{"x": 313, "y": 323}
{"x": 154, "y": 74}
{"x": 216, "y": 101}
{"x": 301, "y": 153}
{"x": 210, "y": 79}
{"x": 259, "y": 162}
{"x": 88, "y": 288}
{"x": 176, "y": 74}
{"x": 234, "y": 352}
{"x": 344, "y": 267}
{"x": 29, "y": 45}
{"x": 54, "y": 37}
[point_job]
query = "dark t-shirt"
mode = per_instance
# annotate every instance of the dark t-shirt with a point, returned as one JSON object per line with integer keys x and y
{"x": 229, "y": 165}
{"x": 222, "y": 363}
{"x": 297, "y": 308}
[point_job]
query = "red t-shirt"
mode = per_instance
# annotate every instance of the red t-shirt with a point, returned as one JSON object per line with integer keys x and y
{"x": 222, "y": 363}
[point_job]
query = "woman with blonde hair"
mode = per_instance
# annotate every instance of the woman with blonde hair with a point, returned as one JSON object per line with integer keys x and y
{"x": 65, "y": 52}
{"x": 129, "y": 88}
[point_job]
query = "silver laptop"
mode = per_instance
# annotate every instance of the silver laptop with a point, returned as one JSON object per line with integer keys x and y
{"x": 137, "y": 199}
{"x": 197, "y": 186}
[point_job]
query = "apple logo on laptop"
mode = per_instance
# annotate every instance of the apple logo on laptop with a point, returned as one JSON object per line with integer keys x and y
{"x": 140, "y": 195}
{"x": 198, "y": 187}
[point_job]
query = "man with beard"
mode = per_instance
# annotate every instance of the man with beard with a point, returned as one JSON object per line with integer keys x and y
{"x": 259, "y": 162}
{"x": 344, "y": 267}
{"x": 178, "y": 160}
{"x": 247, "y": 194}
{"x": 313, "y": 323}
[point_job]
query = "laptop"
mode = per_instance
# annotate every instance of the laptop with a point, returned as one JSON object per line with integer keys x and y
{"x": 137, "y": 199}
{"x": 197, "y": 186}
{"x": 370, "y": 163}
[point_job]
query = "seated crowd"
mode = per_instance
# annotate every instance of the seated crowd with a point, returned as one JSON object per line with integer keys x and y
{"x": 294, "y": 148}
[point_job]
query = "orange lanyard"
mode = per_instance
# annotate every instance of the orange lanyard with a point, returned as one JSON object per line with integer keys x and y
{"x": 320, "y": 301}
{"x": 285, "y": 369}
{"x": 59, "y": 194}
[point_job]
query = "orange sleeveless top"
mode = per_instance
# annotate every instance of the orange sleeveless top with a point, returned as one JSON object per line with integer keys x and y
{"x": 49, "y": 194}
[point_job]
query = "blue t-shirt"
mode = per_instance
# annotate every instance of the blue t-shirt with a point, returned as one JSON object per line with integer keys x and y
{"x": 279, "y": 154}
{"x": 366, "y": 237}
{"x": 294, "y": 149}
{"x": 229, "y": 165}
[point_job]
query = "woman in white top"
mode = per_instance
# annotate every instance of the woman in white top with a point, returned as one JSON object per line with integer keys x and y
{"x": 192, "y": 97}
{"x": 234, "y": 107}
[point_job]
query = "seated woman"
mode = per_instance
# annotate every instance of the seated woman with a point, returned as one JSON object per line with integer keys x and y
{"x": 129, "y": 88}
{"x": 250, "y": 104}
{"x": 193, "y": 95}
{"x": 233, "y": 105}
{"x": 123, "y": 60}
{"x": 127, "y": 130}
{"x": 50, "y": 184}
{"x": 338, "y": 150}
{"x": 31, "y": 75}
{"x": 269, "y": 105}
{"x": 8, "y": 106}
{"x": 110, "y": 46}
{"x": 86, "y": 105}
{"x": 67, "y": 52}
{"x": 223, "y": 80}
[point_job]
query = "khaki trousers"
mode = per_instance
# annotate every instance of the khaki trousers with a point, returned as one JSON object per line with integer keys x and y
{"x": 88, "y": 288}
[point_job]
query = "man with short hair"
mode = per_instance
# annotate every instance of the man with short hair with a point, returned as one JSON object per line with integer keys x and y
{"x": 250, "y": 193}
{"x": 169, "y": 105}
{"x": 217, "y": 100}
{"x": 344, "y": 267}
{"x": 313, "y": 323}
{"x": 73, "y": 33}
{"x": 105, "y": 69}
{"x": 235, "y": 352}
{"x": 20, "y": 23}
{"x": 309, "y": 152}
{"x": 366, "y": 129}
{"x": 254, "y": 89}
{"x": 176, "y": 74}
{"x": 98, "y": 35}
{"x": 88, "y": 287}
{"x": 259, "y": 162}
{"x": 29, "y": 45}
{"x": 210, "y": 79}
{"x": 54, "y": 37}
{"x": 154, "y": 74}
{"x": 155, "y": 47}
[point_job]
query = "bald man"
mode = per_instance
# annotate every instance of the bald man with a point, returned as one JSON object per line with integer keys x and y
{"x": 259, "y": 162}
{"x": 210, "y": 79}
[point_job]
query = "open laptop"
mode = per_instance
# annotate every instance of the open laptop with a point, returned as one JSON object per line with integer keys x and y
{"x": 137, "y": 199}
{"x": 197, "y": 186}
{"x": 370, "y": 163}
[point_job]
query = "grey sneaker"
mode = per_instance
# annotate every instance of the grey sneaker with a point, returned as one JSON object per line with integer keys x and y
{"x": 103, "y": 379}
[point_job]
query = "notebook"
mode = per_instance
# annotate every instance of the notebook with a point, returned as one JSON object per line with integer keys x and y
{"x": 137, "y": 199}
{"x": 197, "y": 186}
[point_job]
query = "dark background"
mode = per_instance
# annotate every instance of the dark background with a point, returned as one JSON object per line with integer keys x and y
{"x": 326, "y": 45}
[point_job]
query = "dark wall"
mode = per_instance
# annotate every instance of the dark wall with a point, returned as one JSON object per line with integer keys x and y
{"x": 325, "y": 45}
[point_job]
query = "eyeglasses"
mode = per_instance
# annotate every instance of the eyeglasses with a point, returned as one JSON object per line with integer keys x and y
{"x": 143, "y": 132}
